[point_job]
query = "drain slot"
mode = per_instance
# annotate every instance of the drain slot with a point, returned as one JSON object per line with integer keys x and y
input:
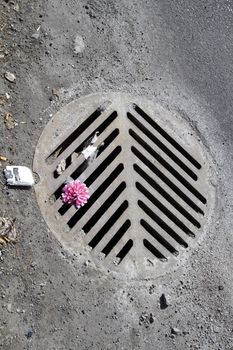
{"x": 166, "y": 136}
{"x": 106, "y": 143}
{"x": 77, "y": 216}
{"x": 104, "y": 207}
{"x": 99, "y": 170}
{"x": 158, "y": 237}
{"x": 116, "y": 238}
{"x": 162, "y": 224}
{"x": 106, "y": 162}
{"x": 165, "y": 179}
{"x": 164, "y": 148}
{"x": 125, "y": 250}
{"x": 102, "y": 232}
{"x": 87, "y": 141}
{"x": 163, "y": 209}
{"x": 154, "y": 251}
{"x": 167, "y": 166}
{"x": 78, "y": 131}
{"x": 170, "y": 199}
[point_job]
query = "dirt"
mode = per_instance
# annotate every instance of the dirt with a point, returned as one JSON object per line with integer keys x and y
{"x": 179, "y": 53}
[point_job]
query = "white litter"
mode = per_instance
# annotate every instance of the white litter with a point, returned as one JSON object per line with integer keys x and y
{"x": 19, "y": 176}
{"x": 10, "y": 77}
{"x": 89, "y": 151}
{"x": 61, "y": 167}
{"x": 78, "y": 44}
{"x": 36, "y": 35}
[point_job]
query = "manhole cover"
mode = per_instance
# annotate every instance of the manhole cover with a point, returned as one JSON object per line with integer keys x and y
{"x": 151, "y": 184}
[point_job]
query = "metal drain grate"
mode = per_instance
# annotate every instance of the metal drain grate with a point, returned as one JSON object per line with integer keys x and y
{"x": 150, "y": 183}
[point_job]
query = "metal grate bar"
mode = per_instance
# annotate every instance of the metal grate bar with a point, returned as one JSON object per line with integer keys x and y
{"x": 167, "y": 152}
{"x": 154, "y": 250}
{"x": 177, "y": 237}
{"x": 164, "y": 209}
{"x": 155, "y": 185}
{"x": 107, "y": 226}
{"x": 156, "y": 228}
{"x": 108, "y": 235}
{"x": 100, "y": 192}
{"x": 166, "y": 178}
{"x": 72, "y": 170}
{"x": 71, "y": 137}
{"x": 167, "y": 136}
{"x": 167, "y": 166}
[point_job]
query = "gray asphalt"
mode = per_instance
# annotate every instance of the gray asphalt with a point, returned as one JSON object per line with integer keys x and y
{"x": 180, "y": 54}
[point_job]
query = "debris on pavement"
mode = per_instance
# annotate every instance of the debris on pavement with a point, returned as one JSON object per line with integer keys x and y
{"x": 36, "y": 35}
{"x": 175, "y": 331}
{"x": 55, "y": 92}
{"x": 61, "y": 167}
{"x": 9, "y": 121}
{"x": 74, "y": 156}
{"x": 19, "y": 176}
{"x": 163, "y": 302}
{"x": 2, "y": 159}
{"x": 9, "y": 307}
{"x": 90, "y": 151}
{"x": 152, "y": 289}
{"x": 10, "y": 77}
{"x": 7, "y": 230}
{"x": 146, "y": 319}
{"x": 78, "y": 44}
{"x": 4, "y": 98}
{"x": 29, "y": 334}
{"x": 16, "y": 7}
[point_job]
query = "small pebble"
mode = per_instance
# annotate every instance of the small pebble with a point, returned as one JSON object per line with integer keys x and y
{"x": 175, "y": 330}
{"x": 29, "y": 334}
{"x": 78, "y": 44}
{"x": 9, "y": 307}
{"x": 163, "y": 302}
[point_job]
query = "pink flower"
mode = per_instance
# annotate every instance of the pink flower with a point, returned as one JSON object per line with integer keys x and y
{"x": 75, "y": 193}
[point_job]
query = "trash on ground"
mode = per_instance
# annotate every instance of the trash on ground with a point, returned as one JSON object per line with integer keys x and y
{"x": 19, "y": 176}
{"x": 10, "y": 77}
{"x": 7, "y": 230}
{"x": 175, "y": 331}
{"x": 78, "y": 44}
{"x": 16, "y": 7}
{"x": 4, "y": 98}
{"x": 61, "y": 167}
{"x": 9, "y": 121}
{"x": 90, "y": 151}
{"x": 75, "y": 193}
{"x": 9, "y": 307}
{"x": 3, "y": 158}
{"x": 55, "y": 92}
{"x": 36, "y": 35}
{"x": 74, "y": 156}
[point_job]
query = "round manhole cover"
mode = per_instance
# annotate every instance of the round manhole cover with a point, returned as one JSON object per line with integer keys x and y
{"x": 150, "y": 179}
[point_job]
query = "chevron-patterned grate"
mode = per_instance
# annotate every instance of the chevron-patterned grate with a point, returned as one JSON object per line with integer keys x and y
{"x": 149, "y": 189}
